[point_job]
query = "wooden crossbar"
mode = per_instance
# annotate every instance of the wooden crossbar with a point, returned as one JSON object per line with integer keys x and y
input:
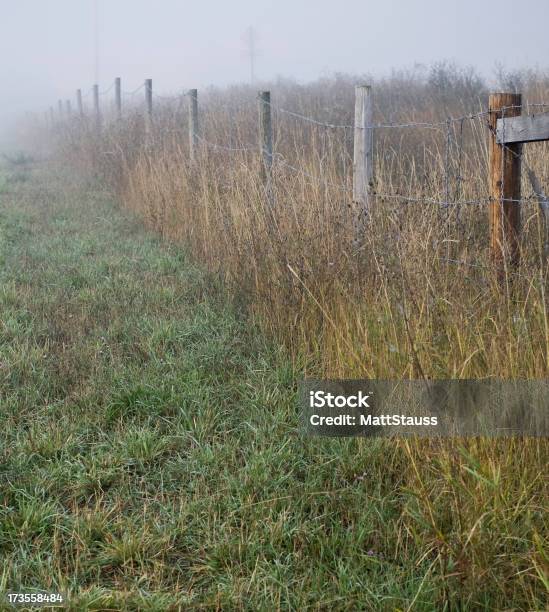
{"x": 525, "y": 128}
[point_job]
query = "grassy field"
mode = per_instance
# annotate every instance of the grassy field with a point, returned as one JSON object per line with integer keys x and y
{"x": 151, "y": 459}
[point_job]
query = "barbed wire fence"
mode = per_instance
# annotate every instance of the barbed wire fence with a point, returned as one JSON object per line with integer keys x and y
{"x": 451, "y": 129}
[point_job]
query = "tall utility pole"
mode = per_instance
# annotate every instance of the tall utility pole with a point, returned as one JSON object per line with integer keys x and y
{"x": 96, "y": 40}
{"x": 251, "y": 51}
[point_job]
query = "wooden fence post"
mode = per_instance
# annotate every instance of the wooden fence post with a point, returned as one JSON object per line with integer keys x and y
{"x": 148, "y": 104}
{"x": 79, "y": 104}
{"x": 505, "y": 165}
{"x": 60, "y": 107}
{"x": 266, "y": 141}
{"x": 118, "y": 97}
{"x": 363, "y": 167}
{"x": 96, "y": 107}
{"x": 193, "y": 122}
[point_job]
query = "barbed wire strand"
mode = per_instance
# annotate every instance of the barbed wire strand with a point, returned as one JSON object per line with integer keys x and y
{"x": 410, "y": 124}
{"x": 133, "y": 92}
{"x": 106, "y": 91}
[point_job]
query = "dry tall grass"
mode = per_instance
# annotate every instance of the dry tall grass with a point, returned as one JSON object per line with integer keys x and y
{"x": 414, "y": 298}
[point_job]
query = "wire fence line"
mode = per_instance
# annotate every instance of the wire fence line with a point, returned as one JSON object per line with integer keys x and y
{"x": 451, "y": 154}
{"x": 172, "y": 98}
{"x": 410, "y": 124}
{"x": 106, "y": 91}
{"x": 134, "y": 91}
{"x": 433, "y": 125}
{"x": 452, "y": 128}
{"x": 374, "y": 126}
{"x": 278, "y": 158}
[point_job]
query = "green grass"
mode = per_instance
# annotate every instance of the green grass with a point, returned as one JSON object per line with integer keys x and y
{"x": 150, "y": 458}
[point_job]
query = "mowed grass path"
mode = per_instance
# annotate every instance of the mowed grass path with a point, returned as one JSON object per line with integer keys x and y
{"x": 150, "y": 458}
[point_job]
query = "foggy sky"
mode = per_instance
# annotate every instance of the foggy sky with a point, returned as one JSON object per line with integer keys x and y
{"x": 47, "y": 46}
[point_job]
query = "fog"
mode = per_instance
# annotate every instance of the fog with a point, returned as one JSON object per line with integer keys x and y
{"x": 51, "y": 48}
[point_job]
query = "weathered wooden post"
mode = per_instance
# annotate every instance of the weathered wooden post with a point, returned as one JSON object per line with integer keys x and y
{"x": 505, "y": 166}
{"x": 96, "y": 107}
{"x": 193, "y": 122}
{"x": 60, "y": 108}
{"x": 266, "y": 142}
{"x": 118, "y": 97}
{"x": 79, "y": 104}
{"x": 148, "y": 105}
{"x": 363, "y": 166}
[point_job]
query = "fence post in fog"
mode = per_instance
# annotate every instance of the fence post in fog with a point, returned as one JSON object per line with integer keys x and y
{"x": 363, "y": 172}
{"x": 52, "y": 117}
{"x": 118, "y": 97}
{"x": 148, "y": 104}
{"x": 79, "y": 105}
{"x": 193, "y": 122}
{"x": 266, "y": 141}
{"x": 60, "y": 108}
{"x": 504, "y": 168}
{"x": 96, "y": 107}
